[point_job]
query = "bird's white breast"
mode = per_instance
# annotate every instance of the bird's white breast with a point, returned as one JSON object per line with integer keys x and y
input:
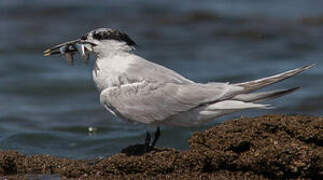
{"x": 111, "y": 71}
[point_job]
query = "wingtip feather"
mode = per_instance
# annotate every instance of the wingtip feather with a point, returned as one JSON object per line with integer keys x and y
{"x": 259, "y": 83}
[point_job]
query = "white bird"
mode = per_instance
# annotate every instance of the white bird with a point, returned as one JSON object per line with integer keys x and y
{"x": 138, "y": 90}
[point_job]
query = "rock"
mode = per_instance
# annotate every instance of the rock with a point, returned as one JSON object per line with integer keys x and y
{"x": 272, "y": 146}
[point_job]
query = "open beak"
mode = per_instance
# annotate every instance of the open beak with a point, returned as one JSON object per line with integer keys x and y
{"x": 68, "y": 49}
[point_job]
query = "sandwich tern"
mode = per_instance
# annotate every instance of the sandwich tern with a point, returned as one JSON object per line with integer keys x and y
{"x": 138, "y": 90}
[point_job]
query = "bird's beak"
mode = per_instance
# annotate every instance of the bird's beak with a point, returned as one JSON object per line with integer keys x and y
{"x": 68, "y": 49}
{"x": 62, "y": 48}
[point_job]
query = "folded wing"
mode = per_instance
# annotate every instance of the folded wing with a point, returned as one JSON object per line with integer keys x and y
{"x": 151, "y": 102}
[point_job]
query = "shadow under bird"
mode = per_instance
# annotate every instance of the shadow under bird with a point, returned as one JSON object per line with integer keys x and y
{"x": 138, "y": 90}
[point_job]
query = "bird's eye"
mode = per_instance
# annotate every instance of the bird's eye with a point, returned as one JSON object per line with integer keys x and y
{"x": 84, "y": 37}
{"x": 101, "y": 35}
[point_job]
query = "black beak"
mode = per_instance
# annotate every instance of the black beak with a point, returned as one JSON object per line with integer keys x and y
{"x": 62, "y": 48}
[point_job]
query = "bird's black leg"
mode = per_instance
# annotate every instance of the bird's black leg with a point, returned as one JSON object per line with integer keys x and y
{"x": 147, "y": 142}
{"x": 157, "y": 134}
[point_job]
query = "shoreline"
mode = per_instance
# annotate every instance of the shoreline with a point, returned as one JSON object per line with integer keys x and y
{"x": 264, "y": 147}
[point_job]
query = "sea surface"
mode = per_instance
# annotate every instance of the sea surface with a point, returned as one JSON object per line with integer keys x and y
{"x": 49, "y": 107}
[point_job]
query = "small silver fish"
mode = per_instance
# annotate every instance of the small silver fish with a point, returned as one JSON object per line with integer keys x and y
{"x": 83, "y": 52}
{"x": 69, "y": 49}
{"x": 69, "y": 58}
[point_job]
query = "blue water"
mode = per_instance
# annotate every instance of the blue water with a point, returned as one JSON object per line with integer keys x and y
{"x": 47, "y": 106}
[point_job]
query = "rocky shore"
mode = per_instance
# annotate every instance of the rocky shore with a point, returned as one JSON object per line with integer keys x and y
{"x": 266, "y": 147}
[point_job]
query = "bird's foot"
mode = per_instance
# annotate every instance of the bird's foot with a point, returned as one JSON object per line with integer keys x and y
{"x": 147, "y": 142}
{"x": 149, "y": 147}
{"x": 140, "y": 149}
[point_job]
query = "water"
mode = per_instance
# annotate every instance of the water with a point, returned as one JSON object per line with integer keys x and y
{"x": 47, "y": 106}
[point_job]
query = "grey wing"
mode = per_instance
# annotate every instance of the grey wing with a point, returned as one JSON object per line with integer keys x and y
{"x": 149, "y": 103}
{"x": 144, "y": 70}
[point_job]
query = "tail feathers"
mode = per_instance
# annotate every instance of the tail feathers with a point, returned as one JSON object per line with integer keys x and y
{"x": 263, "y": 96}
{"x": 235, "y": 105}
{"x": 257, "y": 84}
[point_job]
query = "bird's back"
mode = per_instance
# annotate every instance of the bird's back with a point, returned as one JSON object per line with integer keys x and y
{"x": 127, "y": 68}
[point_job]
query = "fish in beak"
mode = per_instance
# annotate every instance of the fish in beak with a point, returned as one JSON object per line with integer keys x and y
{"x": 68, "y": 49}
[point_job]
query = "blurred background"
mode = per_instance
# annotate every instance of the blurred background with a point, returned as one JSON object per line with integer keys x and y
{"x": 47, "y": 106}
